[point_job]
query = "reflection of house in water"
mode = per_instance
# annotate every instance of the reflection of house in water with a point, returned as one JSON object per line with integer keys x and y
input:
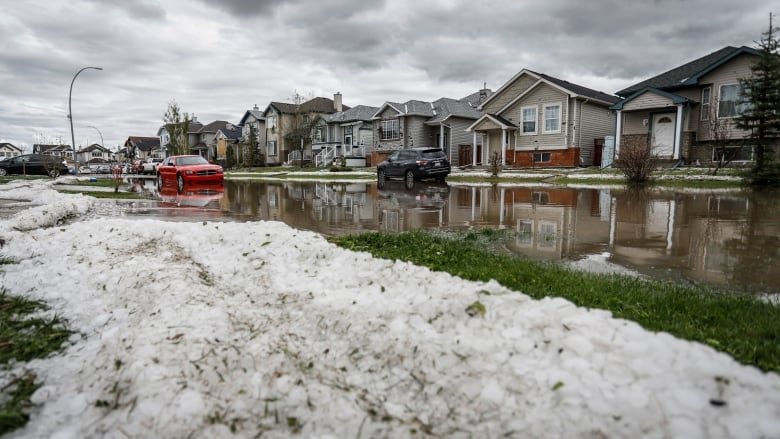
{"x": 342, "y": 203}
{"x": 549, "y": 222}
{"x": 713, "y": 237}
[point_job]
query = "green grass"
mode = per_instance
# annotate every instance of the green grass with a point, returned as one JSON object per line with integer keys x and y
{"x": 24, "y": 337}
{"x": 739, "y": 325}
{"x": 101, "y": 182}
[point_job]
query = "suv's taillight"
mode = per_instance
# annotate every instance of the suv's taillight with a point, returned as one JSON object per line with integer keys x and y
{"x": 422, "y": 162}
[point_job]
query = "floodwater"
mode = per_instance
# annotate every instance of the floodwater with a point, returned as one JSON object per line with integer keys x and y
{"x": 728, "y": 238}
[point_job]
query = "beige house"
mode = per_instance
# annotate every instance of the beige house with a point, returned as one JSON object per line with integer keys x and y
{"x": 538, "y": 120}
{"x": 678, "y": 113}
{"x": 8, "y": 150}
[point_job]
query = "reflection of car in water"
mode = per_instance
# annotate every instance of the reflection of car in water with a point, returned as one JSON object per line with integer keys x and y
{"x": 202, "y": 197}
{"x": 401, "y": 208}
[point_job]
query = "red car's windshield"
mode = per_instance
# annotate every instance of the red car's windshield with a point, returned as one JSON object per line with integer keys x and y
{"x": 194, "y": 160}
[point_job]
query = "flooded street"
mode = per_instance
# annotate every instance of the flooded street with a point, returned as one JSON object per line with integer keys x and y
{"x": 722, "y": 237}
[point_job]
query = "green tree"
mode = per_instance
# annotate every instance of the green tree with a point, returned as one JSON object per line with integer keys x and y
{"x": 250, "y": 146}
{"x": 178, "y": 125}
{"x": 303, "y": 125}
{"x": 761, "y": 118}
{"x": 230, "y": 157}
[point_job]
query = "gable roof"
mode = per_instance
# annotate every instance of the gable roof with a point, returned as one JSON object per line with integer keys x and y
{"x": 690, "y": 72}
{"x": 574, "y": 90}
{"x": 213, "y": 127}
{"x": 498, "y": 120}
{"x": 255, "y": 112}
{"x": 314, "y": 105}
{"x": 477, "y": 98}
{"x": 676, "y": 99}
{"x": 232, "y": 134}
{"x": 9, "y": 145}
{"x": 446, "y": 108}
{"x": 143, "y": 143}
{"x": 94, "y": 147}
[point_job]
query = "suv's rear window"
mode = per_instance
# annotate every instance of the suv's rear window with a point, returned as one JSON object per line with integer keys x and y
{"x": 433, "y": 154}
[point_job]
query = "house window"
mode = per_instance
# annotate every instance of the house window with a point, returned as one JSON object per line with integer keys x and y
{"x": 389, "y": 130}
{"x": 733, "y": 153}
{"x": 705, "y": 103}
{"x": 318, "y": 134}
{"x": 271, "y": 148}
{"x": 542, "y": 157}
{"x": 730, "y": 102}
{"x": 97, "y": 154}
{"x": 348, "y": 135}
{"x": 547, "y": 234}
{"x": 528, "y": 115}
{"x": 270, "y": 122}
{"x": 552, "y": 118}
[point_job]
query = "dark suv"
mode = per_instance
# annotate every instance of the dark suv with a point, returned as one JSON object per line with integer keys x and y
{"x": 414, "y": 164}
{"x": 30, "y": 164}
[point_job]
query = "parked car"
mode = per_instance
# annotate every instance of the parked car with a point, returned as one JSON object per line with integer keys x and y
{"x": 186, "y": 170}
{"x": 34, "y": 164}
{"x": 150, "y": 165}
{"x": 414, "y": 164}
{"x": 101, "y": 169}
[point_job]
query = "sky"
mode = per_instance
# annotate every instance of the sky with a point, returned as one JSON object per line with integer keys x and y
{"x": 194, "y": 329}
{"x": 219, "y": 58}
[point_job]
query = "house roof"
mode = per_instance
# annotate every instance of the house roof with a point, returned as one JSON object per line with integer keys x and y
{"x": 42, "y": 148}
{"x": 676, "y": 99}
{"x": 232, "y": 134}
{"x": 315, "y": 105}
{"x": 689, "y": 73}
{"x": 580, "y": 90}
{"x": 498, "y": 120}
{"x": 477, "y": 98}
{"x": 213, "y": 127}
{"x": 256, "y": 113}
{"x": 9, "y": 145}
{"x": 357, "y": 113}
{"x": 446, "y": 108}
{"x": 566, "y": 86}
{"x": 94, "y": 147}
{"x": 143, "y": 143}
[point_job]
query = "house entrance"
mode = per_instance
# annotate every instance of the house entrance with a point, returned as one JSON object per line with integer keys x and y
{"x": 663, "y": 134}
{"x": 465, "y": 156}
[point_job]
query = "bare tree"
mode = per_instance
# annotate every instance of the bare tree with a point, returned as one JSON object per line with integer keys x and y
{"x": 720, "y": 131}
{"x": 637, "y": 162}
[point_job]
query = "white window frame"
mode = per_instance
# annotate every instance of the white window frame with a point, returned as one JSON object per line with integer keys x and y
{"x": 544, "y": 118}
{"x": 270, "y": 121}
{"x": 735, "y": 160}
{"x": 394, "y": 134}
{"x": 271, "y": 148}
{"x": 705, "y": 103}
{"x": 738, "y": 107}
{"x": 523, "y": 120}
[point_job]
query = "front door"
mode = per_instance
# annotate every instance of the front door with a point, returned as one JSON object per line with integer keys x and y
{"x": 663, "y": 135}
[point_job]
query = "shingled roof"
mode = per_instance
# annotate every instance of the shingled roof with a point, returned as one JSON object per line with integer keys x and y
{"x": 354, "y": 114}
{"x": 143, "y": 143}
{"x": 580, "y": 90}
{"x": 688, "y": 73}
{"x": 315, "y": 105}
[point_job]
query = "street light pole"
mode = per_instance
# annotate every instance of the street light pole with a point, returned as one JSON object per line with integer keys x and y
{"x": 101, "y": 135}
{"x": 70, "y": 117}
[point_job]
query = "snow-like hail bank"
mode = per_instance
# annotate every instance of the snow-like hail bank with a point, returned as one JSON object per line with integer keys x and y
{"x": 256, "y": 329}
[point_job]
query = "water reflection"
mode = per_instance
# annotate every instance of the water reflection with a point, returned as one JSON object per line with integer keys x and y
{"x": 722, "y": 237}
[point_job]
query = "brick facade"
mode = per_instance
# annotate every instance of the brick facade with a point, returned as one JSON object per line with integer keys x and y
{"x": 558, "y": 158}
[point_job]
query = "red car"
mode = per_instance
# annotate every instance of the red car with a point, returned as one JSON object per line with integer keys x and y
{"x": 187, "y": 170}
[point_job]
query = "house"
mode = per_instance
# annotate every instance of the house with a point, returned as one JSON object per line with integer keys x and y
{"x": 228, "y": 137}
{"x": 206, "y": 145}
{"x": 346, "y": 133}
{"x": 141, "y": 148}
{"x": 677, "y": 113}
{"x": 253, "y": 120}
{"x": 8, "y": 150}
{"x": 438, "y": 124}
{"x": 165, "y": 139}
{"x": 538, "y": 120}
{"x": 94, "y": 154}
{"x": 193, "y": 138}
{"x": 280, "y": 120}
{"x": 60, "y": 150}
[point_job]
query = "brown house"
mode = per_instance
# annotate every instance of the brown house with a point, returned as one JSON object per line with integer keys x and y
{"x": 678, "y": 113}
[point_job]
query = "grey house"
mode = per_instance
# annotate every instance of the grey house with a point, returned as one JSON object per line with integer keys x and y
{"x": 344, "y": 134}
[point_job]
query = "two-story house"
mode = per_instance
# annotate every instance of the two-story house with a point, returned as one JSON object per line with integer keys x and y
{"x": 678, "y": 113}
{"x": 141, "y": 148}
{"x": 537, "y": 120}
{"x": 438, "y": 124}
{"x": 253, "y": 120}
{"x": 94, "y": 154}
{"x": 8, "y": 150}
{"x": 229, "y": 136}
{"x": 280, "y": 120}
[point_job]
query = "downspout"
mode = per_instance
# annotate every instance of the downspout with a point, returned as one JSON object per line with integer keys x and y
{"x": 579, "y": 131}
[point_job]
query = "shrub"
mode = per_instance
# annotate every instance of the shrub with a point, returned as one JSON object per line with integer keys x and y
{"x": 636, "y": 162}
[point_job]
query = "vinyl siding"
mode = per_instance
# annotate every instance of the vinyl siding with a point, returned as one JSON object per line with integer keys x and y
{"x": 729, "y": 73}
{"x": 515, "y": 89}
{"x": 388, "y": 113}
{"x": 539, "y": 97}
{"x": 648, "y": 100}
{"x": 595, "y": 122}
{"x": 415, "y": 132}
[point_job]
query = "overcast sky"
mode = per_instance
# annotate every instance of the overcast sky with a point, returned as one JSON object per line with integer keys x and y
{"x": 218, "y": 58}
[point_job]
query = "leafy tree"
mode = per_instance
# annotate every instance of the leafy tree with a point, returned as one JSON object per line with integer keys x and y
{"x": 250, "y": 146}
{"x": 178, "y": 125}
{"x": 230, "y": 157}
{"x": 303, "y": 125}
{"x": 762, "y": 92}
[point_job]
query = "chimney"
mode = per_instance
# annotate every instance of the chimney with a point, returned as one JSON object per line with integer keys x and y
{"x": 337, "y": 101}
{"x": 229, "y": 126}
{"x": 255, "y": 107}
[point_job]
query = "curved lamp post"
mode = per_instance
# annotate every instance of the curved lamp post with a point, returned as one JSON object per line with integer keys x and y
{"x": 70, "y": 117}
